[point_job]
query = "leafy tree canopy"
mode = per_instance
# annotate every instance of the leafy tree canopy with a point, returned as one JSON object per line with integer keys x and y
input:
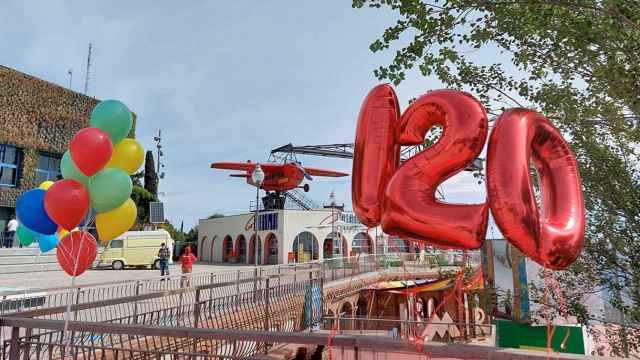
{"x": 577, "y": 62}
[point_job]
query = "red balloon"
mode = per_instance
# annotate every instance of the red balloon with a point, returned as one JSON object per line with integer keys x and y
{"x": 411, "y": 209}
{"x": 76, "y": 252}
{"x": 376, "y": 154}
{"x": 554, "y": 234}
{"x": 66, "y": 203}
{"x": 91, "y": 150}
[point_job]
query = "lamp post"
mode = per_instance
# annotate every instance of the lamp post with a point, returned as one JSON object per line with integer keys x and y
{"x": 257, "y": 177}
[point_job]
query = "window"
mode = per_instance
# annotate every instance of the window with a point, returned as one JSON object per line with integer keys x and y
{"x": 10, "y": 157}
{"x": 48, "y": 168}
{"x": 116, "y": 244}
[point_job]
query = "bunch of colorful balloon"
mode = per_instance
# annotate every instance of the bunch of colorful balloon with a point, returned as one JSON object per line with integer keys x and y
{"x": 96, "y": 171}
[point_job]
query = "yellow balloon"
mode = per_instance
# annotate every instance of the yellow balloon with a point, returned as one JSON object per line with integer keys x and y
{"x": 46, "y": 185}
{"x": 114, "y": 223}
{"x": 127, "y": 155}
{"x": 63, "y": 232}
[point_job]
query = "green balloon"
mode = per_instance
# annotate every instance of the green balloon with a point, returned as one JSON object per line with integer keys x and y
{"x": 69, "y": 170}
{"x": 25, "y": 236}
{"x": 109, "y": 189}
{"x": 113, "y": 117}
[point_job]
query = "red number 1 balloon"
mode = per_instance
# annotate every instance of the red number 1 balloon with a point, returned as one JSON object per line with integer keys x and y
{"x": 402, "y": 198}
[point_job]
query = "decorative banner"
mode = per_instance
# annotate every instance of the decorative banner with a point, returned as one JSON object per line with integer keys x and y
{"x": 31, "y": 213}
{"x": 109, "y": 189}
{"x": 128, "y": 155}
{"x": 66, "y": 203}
{"x": 113, "y": 117}
{"x": 76, "y": 252}
{"x": 114, "y": 223}
{"x": 90, "y": 150}
{"x": 553, "y": 236}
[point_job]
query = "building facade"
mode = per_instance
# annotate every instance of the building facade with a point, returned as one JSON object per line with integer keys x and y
{"x": 287, "y": 236}
{"x": 37, "y": 121}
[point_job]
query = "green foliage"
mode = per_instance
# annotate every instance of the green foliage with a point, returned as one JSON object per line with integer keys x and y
{"x": 577, "y": 62}
{"x": 150, "y": 175}
{"x": 141, "y": 197}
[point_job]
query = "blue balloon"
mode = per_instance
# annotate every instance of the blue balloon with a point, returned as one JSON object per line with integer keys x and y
{"x": 31, "y": 212}
{"x": 48, "y": 242}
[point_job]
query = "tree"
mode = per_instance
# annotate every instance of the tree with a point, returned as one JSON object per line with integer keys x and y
{"x": 577, "y": 62}
{"x": 150, "y": 175}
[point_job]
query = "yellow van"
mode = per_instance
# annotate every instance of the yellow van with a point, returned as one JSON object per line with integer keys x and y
{"x": 136, "y": 248}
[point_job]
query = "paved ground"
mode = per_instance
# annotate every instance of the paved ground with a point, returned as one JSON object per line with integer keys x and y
{"x": 51, "y": 279}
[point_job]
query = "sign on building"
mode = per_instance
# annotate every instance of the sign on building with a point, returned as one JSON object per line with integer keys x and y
{"x": 156, "y": 212}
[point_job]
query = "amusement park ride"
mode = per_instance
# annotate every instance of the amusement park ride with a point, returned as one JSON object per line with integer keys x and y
{"x": 279, "y": 180}
{"x": 284, "y": 173}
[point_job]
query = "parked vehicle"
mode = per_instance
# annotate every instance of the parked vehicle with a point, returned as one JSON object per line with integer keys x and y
{"x": 135, "y": 248}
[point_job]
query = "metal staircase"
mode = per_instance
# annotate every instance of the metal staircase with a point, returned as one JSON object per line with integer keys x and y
{"x": 296, "y": 199}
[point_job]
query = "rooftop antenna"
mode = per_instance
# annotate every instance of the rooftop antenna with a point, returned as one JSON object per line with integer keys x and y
{"x": 86, "y": 79}
{"x": 70, "y": 72}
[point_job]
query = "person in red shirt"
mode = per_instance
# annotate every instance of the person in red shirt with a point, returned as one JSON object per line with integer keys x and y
{"x": 187, "y": 259}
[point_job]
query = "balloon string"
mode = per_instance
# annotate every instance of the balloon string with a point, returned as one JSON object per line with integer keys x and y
{"x": 69, "y": 253}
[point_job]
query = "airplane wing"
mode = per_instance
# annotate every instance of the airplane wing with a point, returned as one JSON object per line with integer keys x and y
{"x": 321, "y": 172}
{"x": 243, "y": 166}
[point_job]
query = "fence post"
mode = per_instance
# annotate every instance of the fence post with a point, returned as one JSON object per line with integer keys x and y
{"x": 213, "y": 279}
{"x": 266, "y": 311}
{"x": 238, "y": 287}
{"x": 13, "y": 345}
{"x": 279, "y": 275}
{"x": 135, "y": 309}
{"x": 255, "y": 283}
{"x": 196, "y": 309}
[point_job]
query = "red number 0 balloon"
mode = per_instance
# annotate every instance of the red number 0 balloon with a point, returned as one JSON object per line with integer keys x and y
{"x": 402, "y": 198}
{"x": 552, "y": 236}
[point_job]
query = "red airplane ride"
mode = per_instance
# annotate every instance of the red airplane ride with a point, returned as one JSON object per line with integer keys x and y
{"x": 278, "y": 177}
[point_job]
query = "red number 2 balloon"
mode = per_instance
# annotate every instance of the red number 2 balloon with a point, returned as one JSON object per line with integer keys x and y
{"x": 402, "y": 198}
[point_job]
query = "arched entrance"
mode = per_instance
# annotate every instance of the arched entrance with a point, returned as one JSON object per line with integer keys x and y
{"x": 362, "y": 244}
{"x": 271, "y": 249}
{"x": 362, "y": 307}
{"x": 305, "y": 247}
{"x": 252, "y": 252}
{"x": 227, "y": 248}
{"x": 331, "y": 246}
{"x": 346, "y": 312}
{"x": 204, "y": 246}
{"x": 398, "y": 245}
{"x": 241, "y": 247}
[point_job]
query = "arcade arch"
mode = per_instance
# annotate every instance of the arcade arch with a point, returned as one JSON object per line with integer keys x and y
{"x": 331, "y": 246}
{"x": 362, "y": 244}
{"x": 271, "y": 249}
{"x": 241, "y": 247}
{"x": 227, "y": 248}
{"x": 307, "y": 243}
{"x": 251, "y": 256}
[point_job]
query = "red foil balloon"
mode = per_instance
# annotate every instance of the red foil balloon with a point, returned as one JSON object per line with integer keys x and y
{"x": 91, "y": 150}
{"x": 66, "y": 203}
{"x": 554, "y": 234}
{"x": 376, "y": 154}
{"x": 410, "y": 206}
{"x": 76, "y": 252}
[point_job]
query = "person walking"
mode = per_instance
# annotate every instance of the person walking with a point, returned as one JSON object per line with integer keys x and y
{"x": 187, "y": 259}
{"x": 12, "y": 227}
{"x": 163, "y": 255}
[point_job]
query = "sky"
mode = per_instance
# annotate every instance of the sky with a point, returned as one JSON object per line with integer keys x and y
{"x": 224, "y": 80}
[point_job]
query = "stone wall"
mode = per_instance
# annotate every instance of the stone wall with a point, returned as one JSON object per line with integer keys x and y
{"x": 37, "y": 117}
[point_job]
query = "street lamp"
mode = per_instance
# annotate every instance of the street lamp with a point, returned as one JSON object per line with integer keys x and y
{"x": 257, "y": 177}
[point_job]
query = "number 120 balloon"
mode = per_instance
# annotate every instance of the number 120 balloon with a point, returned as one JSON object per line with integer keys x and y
{"x": 402, "y": 197}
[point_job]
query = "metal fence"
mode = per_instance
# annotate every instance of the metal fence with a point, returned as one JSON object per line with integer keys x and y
{"x": 283, "y": 298}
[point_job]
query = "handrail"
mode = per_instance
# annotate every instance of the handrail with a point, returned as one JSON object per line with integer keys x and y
{"x": 361, "y": 342}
